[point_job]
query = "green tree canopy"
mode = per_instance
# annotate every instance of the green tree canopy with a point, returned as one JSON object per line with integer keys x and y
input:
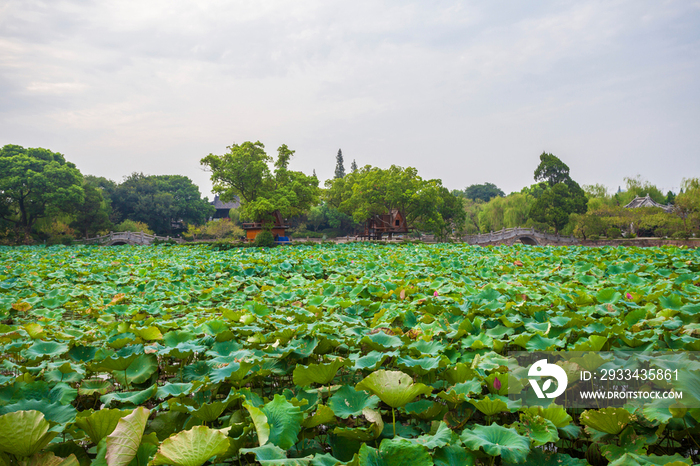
{"x": 372, "y": 191}
{"x": 557, "y": 203}
{"x": 562, "y": 196}
{"x": 164, "y": 202}
{"x": 92, "y": 215}
{"x": 485, "y": 192}
{"x": 339, "y": 167}
{"x": 36, "y": 183}
{"x": 244, "y": 172}
{"x": 551, "y": 169}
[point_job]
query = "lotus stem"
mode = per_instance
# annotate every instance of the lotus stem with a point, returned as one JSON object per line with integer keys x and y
{"x": 393, "y": 420}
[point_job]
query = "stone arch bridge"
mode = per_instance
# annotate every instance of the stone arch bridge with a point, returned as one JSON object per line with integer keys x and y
{"x": 126, "y": 237}
{"x": 510, "y": 236}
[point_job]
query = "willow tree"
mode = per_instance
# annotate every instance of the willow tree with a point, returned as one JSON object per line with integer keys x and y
{"x": 244, "y": 171}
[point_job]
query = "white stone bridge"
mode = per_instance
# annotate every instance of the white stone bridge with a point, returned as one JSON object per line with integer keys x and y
{"x": 126, "y": 237}
{"x": 509, "y": 236}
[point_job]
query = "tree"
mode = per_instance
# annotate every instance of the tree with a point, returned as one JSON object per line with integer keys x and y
{"x": 166, "y": 203}
{"x": 641, "y": 188}
{"x": 374, "y": 191}
{"x": 339, "y": 167}
{"x": 687, "y": 205}
{"x": 557, "y": 203}
{"x": 353, "y": 166}
{"x": 244, "y": 172}
{"x": 36, "y": 183}
{"x": 485, "y": 192}
{"x": 551, "y": 169}
{"x": 562, "y": 196}
{"x": 92, "y": 215}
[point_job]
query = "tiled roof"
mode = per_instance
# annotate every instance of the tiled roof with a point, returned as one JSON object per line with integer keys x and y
{"x": 647, "y": 202}
{"x": 228, "y": 205}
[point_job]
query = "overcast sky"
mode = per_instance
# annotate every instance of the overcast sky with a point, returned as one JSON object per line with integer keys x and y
{"x": 467, "y": 92}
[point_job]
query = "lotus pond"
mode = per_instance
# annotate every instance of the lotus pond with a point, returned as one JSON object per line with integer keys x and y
{"x": 359, "y": 354}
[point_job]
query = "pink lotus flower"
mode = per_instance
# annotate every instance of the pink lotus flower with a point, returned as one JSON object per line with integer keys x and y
{"x": 436, "y": 294}
{"x": 629, "y": 296}
{"x": 497, "y": 384}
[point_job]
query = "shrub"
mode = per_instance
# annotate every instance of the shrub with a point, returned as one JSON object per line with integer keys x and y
{"x": 133, "y": 226}
{"x": 613, "y": 233}
{"x": 681, "y": 235}
{"x": 594, "y": 237}
{"x": 265, "y": 239}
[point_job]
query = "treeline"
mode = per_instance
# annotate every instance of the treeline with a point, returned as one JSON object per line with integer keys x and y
{"x": 488, "y": 209}
{"x": 46, "y": 198}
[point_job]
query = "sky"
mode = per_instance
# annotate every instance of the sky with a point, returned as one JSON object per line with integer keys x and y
{"x": 465, "y": 91}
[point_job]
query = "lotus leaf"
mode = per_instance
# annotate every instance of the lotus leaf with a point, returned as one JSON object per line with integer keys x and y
{"x": 123, "y": 443}
{"x": 347, "y": 402}
{"x": 24, "y": 433}
{"x": 395, "y": 452}
{"x": 321, "y": 374}
{"x": 192, "y": 447}
{"x": 394, "y": 388}
{"x": 99, "y": 424}
{"x": 496, "y": 440}
{"x": 284, "y": 420}
{"x": 272, "y": 455}
{"x": 608, "y": 420}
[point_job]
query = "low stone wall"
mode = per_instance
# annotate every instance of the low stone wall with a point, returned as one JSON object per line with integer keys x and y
{"x": 641, "y": 242}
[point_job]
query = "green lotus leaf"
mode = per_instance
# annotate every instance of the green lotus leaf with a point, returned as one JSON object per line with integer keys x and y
{"x": 394, "y": 388}
{"x": 99, "y": 424}
{"x": 453, "y": 455}
{"x": 326, "y": 459}
{"x": 381, "y": 341}
{"x": 395, "y": 452}
{"x": 259, "y": 418}
{"x": 418, "y": 366}
{"x": 64, "y": 372}
{"x": 491, "y": 404}
{"x": 135, "y": 397}
{"x": 321, "y": 374}
{"x": 608, "y": 420}
{"x": 673, "y": 302}
{"x": 209, "y": 412}
{"x": 323, "y": 415}
{"x": 232, "y": 371}
{"x": 50, "y": 459}
{"x": 364, "y": 434}
{"x": 192, "y": 447}
{"x": 24, "y": 433}
{"x": 53, "y": 412}
{"x": 174, "y": 389}
{"x": 555, "y": 413}
{"x": 425, "y": 409}
{"x": 123, "y": 443}
{"x": 631, "y": 459}
{"x": 347, "y": 402}
{"x": 459, "y": 373}
{"x": 89, "y": 387}
{"x": 140, "y": 370}
{"x": 285, "y": 421}
{"x": 45, "y": 349}
{"x": 608, "y": 296}
{"x": 196, "y": 371}
{"x": 496, "y": 440}
{"x": 659, "y": 410}
{"x": 272, "y": 455}
{"x": 443, "y": 436}
{"x": 115, "y": 363}
{"x": 538, "y": 429}
{"x": 371, "y": 361}
{"x": 175, "y": 337}
{"x": 538, "y": 457}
